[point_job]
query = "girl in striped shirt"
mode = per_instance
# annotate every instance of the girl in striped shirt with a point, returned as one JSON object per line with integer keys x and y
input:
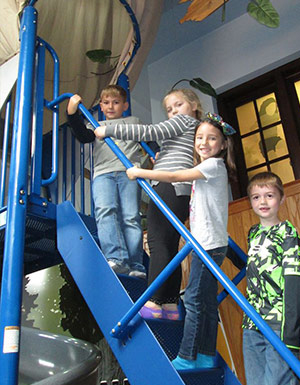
{"x": 176, "y": 136}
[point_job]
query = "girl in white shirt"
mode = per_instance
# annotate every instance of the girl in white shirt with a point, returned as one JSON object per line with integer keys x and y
{"x": 213, "y": 155}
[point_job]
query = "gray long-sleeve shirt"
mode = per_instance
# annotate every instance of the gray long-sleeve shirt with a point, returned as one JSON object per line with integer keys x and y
{"x": 105, "y": 161}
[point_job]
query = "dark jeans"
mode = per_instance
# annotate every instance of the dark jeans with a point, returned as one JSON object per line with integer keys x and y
{"x": 200, "y": 300}
{"x": 163, "y": 241}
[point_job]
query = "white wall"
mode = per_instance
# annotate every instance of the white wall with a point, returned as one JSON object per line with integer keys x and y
{"x": 233, "y": 53}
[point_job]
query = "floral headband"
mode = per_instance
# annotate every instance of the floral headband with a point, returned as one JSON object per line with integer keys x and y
{"x": 227, "y": 128}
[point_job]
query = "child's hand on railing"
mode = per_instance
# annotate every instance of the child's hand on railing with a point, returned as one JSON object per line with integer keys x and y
{"x": 100, "y": 132}
{"x": 132, "y": 172}
{"x": 73, "y": 104}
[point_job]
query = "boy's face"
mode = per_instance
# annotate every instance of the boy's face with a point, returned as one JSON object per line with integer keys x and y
{"x": 265, "y": 202}
{"x": 113, "y": 107}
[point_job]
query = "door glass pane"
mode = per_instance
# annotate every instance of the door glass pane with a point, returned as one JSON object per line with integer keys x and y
{"x": 253, "y": 150}
{"x": 268, "y": 109}
{"x": 297, "y": 86}
{"x": 256, "y": 171}
{"x": 284, "y": 170}
{"x": 247, "y": 118}
{"x": 275, "y": 142}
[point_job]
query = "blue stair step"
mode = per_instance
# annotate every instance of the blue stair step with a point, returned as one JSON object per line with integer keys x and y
{"x": 214, "y": 376}
{"x": 40, "y": 249}
{"x": 134, "y": 286}
{"x": 168, "y": 334}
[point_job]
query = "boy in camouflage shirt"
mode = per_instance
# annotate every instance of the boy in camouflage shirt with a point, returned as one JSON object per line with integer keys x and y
{"x": 273, "y": 285}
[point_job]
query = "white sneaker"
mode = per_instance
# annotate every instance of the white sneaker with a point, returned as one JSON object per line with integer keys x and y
{"x": 118, "y": 268}
{"x": 137, "y": 274}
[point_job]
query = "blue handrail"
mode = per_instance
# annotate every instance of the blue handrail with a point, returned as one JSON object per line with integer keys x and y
{"x": 55, "y": 123}
{"x": 5, "y": 152}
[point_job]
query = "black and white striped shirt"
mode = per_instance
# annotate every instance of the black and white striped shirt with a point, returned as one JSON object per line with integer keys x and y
{"x": 176, "y": 136}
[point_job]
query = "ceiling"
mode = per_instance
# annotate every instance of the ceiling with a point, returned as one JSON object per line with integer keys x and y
{"x": 173, "y": 35}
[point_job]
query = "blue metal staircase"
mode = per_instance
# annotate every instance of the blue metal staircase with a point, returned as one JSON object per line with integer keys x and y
{"x": 39, "y": 233}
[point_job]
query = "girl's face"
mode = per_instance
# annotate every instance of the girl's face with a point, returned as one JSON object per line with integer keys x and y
{"x": 265, "y": 202}
{"x": 209, "y": 141}
{"x": 176, "y": 104}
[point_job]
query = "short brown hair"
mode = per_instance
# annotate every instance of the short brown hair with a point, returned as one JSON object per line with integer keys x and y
{"x": 266, "y": 178}
{"x": 114, "y": 90}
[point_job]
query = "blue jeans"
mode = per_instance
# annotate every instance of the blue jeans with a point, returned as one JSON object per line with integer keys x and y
{"x": 200, "y": 300}
{"x": 117, "y": 202}
{"x": 263, "y": 365}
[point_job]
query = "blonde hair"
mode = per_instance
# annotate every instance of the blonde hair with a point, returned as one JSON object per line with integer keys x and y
{"x": 188, "y": 95}
{"x": 113, "y": 90}
{"x": 266, "y": 178}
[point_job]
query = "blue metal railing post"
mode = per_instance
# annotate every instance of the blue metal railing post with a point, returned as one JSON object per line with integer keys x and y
{"x": 12, "y": 276}
{"x": 37, "y": 127}
{"x": 55, "y": 116}
{"x": 5, "y": 152}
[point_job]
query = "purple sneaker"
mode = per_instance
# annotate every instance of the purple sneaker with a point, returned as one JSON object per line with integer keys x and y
{"x": 149, "y": 313}
{"x": 172, "y": 315}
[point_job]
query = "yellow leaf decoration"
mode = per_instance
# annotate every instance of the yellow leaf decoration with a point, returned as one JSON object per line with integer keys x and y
{"x": 200, "y": 9}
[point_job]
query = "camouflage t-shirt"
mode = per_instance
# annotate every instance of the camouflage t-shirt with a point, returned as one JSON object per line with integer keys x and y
{"x": 273, "y": 279}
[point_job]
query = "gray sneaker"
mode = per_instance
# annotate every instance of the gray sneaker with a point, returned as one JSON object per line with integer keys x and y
{"x": 118, "y": 268}
{"x": 137, "y": 274}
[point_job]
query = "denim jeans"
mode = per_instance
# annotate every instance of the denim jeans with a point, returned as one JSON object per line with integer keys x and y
{"x": 263, "y": 365}
{"x": 117, "y": 203}
{"x": 200, "y": 300}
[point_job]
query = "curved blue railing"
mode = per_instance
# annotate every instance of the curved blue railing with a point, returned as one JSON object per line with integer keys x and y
{"x": 137, "y": 34}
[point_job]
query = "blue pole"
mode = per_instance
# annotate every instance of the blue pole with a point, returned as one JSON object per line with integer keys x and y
{"x": 37, "y": 129}
{"x": 5, "y": 152}
{"x": 12, "y": 275}
{"x": 82, "y": 184}
{"x": 55, "y": 109}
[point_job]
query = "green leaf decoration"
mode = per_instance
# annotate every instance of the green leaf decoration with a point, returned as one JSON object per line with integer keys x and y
{"x": 99, "y": 55}
{"x": 203, "y": 86}
{"x": 264, "y": 12}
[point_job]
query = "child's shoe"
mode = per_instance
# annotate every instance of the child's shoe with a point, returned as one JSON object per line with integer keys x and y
{"x": 150, "y": 313}
{"x": 170, "y": 314}
{"x": 138, "y": 274}
{"x": 118, "y": 268}
{"x": 182, "y": 364}
{"x": 205, "y": 361}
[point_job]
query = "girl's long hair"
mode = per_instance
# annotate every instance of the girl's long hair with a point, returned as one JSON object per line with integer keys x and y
{"x": 227, "y": 154}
